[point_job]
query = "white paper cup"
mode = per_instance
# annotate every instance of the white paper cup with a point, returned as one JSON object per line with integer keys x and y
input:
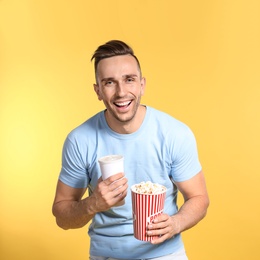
{"x": 146, "y": 207}
{"x": 110, "y": 165}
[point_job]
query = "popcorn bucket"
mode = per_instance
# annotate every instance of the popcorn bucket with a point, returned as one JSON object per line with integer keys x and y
{"x": 146, "y": 207}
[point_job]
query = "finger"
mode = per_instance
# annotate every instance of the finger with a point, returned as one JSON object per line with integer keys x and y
{"x": 157, "y": 224}
{"x": 118, "y": 184}
{"x": 158, "y": 240}
{"x": 157, "y": 230}
{"x": 159, "y": 235}
{"x": 120, "y": 191}
{"x": 114, "y": 178}
{"x": 161, "y": 218}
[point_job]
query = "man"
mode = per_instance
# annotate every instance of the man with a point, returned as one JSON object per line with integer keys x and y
{"x": 156, "y": 147}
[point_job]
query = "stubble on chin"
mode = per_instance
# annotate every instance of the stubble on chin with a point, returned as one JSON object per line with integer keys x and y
{"x": 124, "y": 117}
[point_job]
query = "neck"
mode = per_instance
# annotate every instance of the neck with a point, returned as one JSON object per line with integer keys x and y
{"x": 127, "y": 127}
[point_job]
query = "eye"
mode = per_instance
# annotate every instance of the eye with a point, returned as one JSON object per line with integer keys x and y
{"x": 109, "y": 83}
{"x": 130, "y": 80}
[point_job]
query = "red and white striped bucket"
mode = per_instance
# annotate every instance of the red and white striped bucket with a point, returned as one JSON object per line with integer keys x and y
{"x": 146, "y": 207}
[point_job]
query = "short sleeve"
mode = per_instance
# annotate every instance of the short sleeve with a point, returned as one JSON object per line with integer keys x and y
{"x": 185, "y": 163}
{"x": 73, "y": 171}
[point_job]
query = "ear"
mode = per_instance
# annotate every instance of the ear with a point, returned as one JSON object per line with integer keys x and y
{"x": 143, "y": 85}
{"x": 97, "y": 90}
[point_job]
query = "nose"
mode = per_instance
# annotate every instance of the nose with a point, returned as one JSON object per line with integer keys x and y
{"x": 121, "y": 89}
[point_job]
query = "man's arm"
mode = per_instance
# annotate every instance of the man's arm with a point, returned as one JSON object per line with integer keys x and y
{"x": 71, "y": 211}
{"x": 194, "y": 209}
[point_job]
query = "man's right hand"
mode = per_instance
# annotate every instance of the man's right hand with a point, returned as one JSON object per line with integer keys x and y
{"x": 110, "y": 192}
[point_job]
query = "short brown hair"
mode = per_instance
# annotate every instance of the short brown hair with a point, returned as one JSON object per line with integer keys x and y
{"x": 110, "y": 49}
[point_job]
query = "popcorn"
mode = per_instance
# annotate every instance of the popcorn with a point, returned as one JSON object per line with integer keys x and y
{"x": 148, "y": 188}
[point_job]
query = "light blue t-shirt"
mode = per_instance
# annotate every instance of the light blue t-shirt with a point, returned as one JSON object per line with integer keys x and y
{"x": 163, "y": 150}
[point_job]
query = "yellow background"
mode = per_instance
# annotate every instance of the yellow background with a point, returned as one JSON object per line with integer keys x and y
{"x": 202, "y": 64}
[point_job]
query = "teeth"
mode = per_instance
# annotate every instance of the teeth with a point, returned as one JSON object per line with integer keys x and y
{"x": 123, "y": 104}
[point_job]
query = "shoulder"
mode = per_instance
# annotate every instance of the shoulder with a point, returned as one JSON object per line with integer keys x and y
{"x": 167, "y": 121}
{"x": 85, "y": 133}
{"x": 86, "y": 128}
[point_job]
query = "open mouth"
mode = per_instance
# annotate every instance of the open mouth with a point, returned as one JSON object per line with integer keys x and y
{"x": 123, "y": 104}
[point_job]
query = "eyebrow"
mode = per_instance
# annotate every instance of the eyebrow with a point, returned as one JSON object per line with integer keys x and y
{"x": 124, "y": 76}
{"x": 106, "y": 79}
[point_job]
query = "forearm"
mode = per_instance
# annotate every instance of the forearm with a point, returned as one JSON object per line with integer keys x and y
{"x": 191, "y": 212}
{"x": 194, "y": 209}
{"x": 73, "y": 214}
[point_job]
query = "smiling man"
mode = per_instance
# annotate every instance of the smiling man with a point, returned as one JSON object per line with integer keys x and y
{"x": 156, "y": 147}
{"x": 120, "y": 86}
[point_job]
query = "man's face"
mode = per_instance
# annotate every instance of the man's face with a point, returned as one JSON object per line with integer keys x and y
{"x": 120, "y": 87}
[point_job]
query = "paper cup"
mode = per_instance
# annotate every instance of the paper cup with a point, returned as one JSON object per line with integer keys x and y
{"x": 146, "y": 207}
{"x": 110, "y": 165}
